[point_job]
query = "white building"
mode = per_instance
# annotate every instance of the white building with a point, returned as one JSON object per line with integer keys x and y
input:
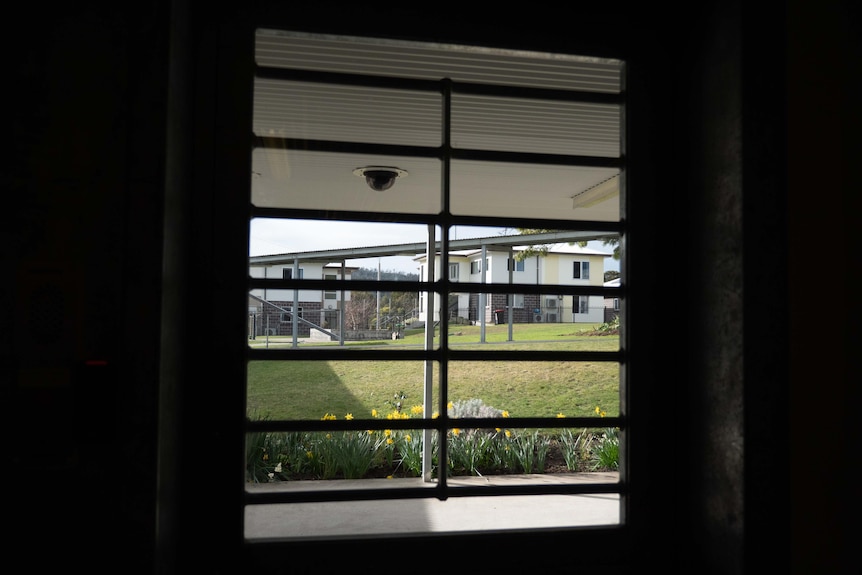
{"x": 562, "y": 264}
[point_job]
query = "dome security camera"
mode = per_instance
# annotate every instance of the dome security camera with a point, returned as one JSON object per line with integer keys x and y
{"x": 380, "y": 178}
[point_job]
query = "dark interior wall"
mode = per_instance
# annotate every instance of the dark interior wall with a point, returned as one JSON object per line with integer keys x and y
{"x": 713, "y": 164}
{"x": 85, "y": 170}
{"x": 81, "y": 251}
{"x": 824, "y": 135}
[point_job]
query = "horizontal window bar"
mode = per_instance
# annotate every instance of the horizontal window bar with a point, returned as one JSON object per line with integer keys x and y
{"x": 357, "y": 353}
{"x": 434, "y": 152}
{"x": 438, "y": 423}
{"x": 439, "y": 491}
{"x": 435, "y": 286}
{"x": 602, "y": 228}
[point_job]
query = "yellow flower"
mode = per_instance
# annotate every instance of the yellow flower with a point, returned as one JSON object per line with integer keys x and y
{"x": 373, "y": 413}
{"x": 389, "y": 441}
{"x": 497, "y": 429}
{"x": 598, "y": 410}
{"x": 505, "y": 413}
{"x": 560, "y": 416}
{"x": 449, "y": 405}
{"x": 456, "y": 431}
{"x": 417, "y": 409}
{"x": 370, "y": 432}
{"x": 328, "y": 436}
{"x": 603, "y": 413}
{"x": 388, "y": 477}
{"x": 348, "y": 417}
{"x": 387, "y": 432}
{"x": 508, "y": 434}
{"x": 309, "y": 454}
{"x": 266, "y": 456}
{"x": 435, "y": 415}
{"x": 407, "y": 437}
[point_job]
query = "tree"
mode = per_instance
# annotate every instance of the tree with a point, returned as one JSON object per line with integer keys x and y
{"x": 542, "y": 250}
{"x": 359, "y": 311}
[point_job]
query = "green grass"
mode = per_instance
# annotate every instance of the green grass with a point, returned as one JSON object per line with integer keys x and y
{"x": 310, "y": 389}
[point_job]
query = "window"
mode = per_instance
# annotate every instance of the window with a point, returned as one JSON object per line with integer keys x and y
{"x": 286, "y": 316}
{"x": 330, "y": 294}
{"x": 581, "y": 304}
{"x": 338, "y": 114}
{"x": 515, "y": 265}
{"x": 581, "y": 271}
{"x": 287, "y": 273}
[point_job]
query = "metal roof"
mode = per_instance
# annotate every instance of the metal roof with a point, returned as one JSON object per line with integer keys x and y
{"x": 420, "y": 248}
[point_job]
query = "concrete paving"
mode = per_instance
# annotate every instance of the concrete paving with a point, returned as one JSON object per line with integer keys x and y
{"x": 422, "y": 516}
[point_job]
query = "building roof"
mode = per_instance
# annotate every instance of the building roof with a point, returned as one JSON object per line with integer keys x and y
{"x": 418, "y": 249}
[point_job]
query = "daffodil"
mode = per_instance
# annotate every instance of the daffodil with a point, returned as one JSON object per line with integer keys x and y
{"x": 348, "y": 417}
{"x": 408, "y": 438}
{"x": 456, "y": 431}
{"x": 373, "y": 413}
{"x": 560, "y": 416}
{"x": 505, "y": 413}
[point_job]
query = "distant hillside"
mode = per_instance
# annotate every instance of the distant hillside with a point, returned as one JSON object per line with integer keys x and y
{"x": 371, "y": 274}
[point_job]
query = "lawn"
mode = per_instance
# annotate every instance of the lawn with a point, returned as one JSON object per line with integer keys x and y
{"x": 311, "y": 389}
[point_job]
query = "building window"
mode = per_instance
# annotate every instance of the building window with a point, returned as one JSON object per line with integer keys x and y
{"x": 340, "y": 114}
{"x": 581, "y": 271}
{"x": 330, "y": 294}
{"x": 515, "y": 265}
{"x": 286, "y": 316}
{"x": 581, "y": 304}
{"x": 287, "y": 273}
{"x": 453, "y": 272}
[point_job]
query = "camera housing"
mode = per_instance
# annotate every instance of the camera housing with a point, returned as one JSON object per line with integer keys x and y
{"x": 380, "y": 178}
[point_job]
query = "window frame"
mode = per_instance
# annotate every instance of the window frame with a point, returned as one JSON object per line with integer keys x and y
{"x": 582, "y": 269}
{"x": 288, "y": 284}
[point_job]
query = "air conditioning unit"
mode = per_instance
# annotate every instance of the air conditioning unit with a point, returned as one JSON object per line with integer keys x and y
{"x": 552, "y": 317}
{"x": 551, "y": 302}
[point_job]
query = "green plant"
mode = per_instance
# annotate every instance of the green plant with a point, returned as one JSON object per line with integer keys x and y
{"x": 410, "y": 448}
{"x": 606, "y": 453}
{"x": 574, "y": 447}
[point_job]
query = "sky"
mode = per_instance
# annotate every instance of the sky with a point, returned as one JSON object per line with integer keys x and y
{"x": 270, "y": 236}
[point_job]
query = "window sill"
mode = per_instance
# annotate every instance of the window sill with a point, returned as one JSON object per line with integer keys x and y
{"x": 417, "y": 517}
